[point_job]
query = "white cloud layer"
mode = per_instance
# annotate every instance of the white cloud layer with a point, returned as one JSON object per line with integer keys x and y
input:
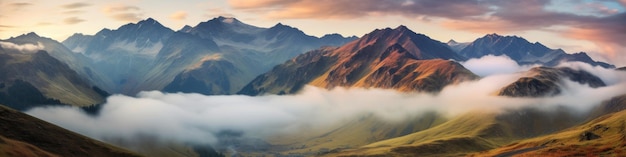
{"x": 490, "y": 64}
{"x": 196, "y": 118}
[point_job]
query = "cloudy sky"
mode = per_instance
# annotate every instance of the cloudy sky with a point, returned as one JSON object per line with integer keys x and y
{"x": 594, "y": 26}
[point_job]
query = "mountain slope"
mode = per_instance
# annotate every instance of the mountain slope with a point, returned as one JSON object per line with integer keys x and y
{"x": 523, "y": 52}
{"x": 38, "y": 78}
{"x": 23, "y": 135}
{"x": 124, "y": 55}
{"x": 245, "y": 51}
{"x": 352, "y": 134}
{"x": 544, "y": 81}
{"x": 76, "y": 61}
{"x": 604, "y": 135}
{"x": 149, "y": 56}
{"x": 390, "y": 58}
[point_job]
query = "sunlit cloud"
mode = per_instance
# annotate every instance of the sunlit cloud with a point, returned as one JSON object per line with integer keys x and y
{"x": 21, "y": 4}
{"x": 75, "y": 5}
{"x": 72, "y": 20}
{"x": 44, "y": 24}
{"x": 123, "y": 12}
{"x": 344, "y": 9}
{"x": 73, "y": 12}
{"x": 179, "y": 15}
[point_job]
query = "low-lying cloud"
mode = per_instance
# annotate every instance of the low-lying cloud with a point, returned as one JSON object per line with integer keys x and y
{"x": 490, "y": 64}
{"x": 23, "y": 48}
{"x": 196, "y": 118}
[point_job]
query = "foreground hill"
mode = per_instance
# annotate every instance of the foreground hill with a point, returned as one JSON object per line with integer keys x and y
{"x": 352, "y": 134}
{"x": 389, "y": 58}
{"x": 37, "y": 78}
{"x": 604, "y": 136}
{"x": 26, "y": 136}
{"x": 468, "y": 133}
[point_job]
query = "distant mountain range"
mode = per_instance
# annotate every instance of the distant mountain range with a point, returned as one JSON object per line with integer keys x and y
{"x": 522, "y": 51}
{"x": 215, "y": 57}
{"x": 224, "y": 55}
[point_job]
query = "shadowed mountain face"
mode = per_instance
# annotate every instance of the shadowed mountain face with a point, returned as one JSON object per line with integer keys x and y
{"x": 76, "y": 61}
{"x": 31, "y": 79}
{"x": 23, "y": 135}
{"x": 123, "y": 56}
{"x": 245, "y": 52}
{"x": 544, "y": 81}
{"x": 523, "y": 52}
{"x": 389, "y": 58}
{"x": 215, "y": 57}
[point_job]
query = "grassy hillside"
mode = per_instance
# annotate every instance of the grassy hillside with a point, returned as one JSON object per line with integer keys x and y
{"x": 352, "y": 134}
{"x": 40, "y": 74}
{"x": 601, "y": 136}
{"x": 469, "y": 133}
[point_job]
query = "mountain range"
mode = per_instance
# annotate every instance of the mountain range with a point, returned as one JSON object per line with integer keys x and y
{"x": 522, "y": 51}
{"x": 31, "y": 79}
{"x": 224, "y": 56}
{"x": 389, "y": 58}
{"x": 214, "y": 57}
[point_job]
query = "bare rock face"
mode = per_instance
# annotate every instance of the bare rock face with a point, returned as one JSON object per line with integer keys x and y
{"x": 390, "y": 58}
{"x": 544, "y": 81}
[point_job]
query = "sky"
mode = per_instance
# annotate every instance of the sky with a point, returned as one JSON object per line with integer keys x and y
{"x": 597, "y": 27}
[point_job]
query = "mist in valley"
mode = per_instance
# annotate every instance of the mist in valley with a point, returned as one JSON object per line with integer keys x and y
{"x": 201, "y": 119}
